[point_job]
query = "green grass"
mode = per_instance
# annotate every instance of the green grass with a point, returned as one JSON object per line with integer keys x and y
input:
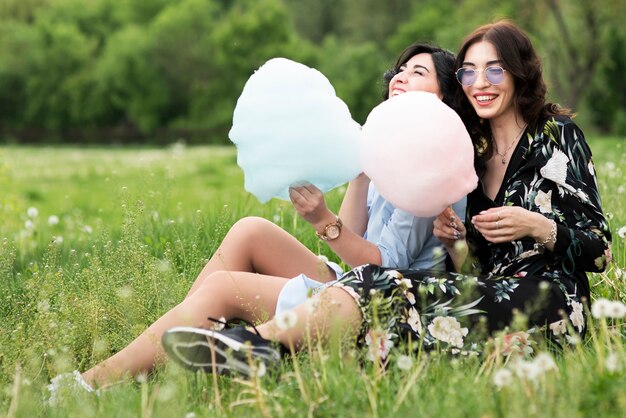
{"x": 136, "y": 226}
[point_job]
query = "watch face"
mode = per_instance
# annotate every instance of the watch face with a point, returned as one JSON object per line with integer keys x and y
{"x": 333, "y": 231}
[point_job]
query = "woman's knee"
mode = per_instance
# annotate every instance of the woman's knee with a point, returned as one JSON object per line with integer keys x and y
{"x": 251, "y": 227}
{"x": 215, "y": 282}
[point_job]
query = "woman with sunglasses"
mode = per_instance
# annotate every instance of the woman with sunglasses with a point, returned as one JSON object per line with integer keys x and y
{"x": 534, "y": 227}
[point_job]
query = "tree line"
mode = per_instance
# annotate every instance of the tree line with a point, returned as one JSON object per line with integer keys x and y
{"x": 160, "y": 70}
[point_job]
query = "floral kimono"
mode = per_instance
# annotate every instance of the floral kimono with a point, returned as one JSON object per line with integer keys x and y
{"x": 550, "y": 172}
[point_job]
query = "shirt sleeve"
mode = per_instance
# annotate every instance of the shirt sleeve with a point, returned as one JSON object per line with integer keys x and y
{"x": 402, "y": 238}
{"x": 583, "y": 235}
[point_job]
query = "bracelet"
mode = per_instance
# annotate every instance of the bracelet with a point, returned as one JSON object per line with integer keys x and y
{"x": 541, "y": 246}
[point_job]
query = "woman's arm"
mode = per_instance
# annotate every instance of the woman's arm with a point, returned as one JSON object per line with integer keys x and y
{"x": 565, "y": 213}
{"x": 449, "y": 228}
{"x": 352, "y": 248}
{"x": 353, "y": 210}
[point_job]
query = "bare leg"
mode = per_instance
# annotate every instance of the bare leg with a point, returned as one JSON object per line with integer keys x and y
{"x": 243, "y": 295}
{"x": 332, "y": 310}
{"x": 257, "y": 245}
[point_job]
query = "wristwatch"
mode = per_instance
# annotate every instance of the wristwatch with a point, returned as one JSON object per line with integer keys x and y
{"x": 331, "y": 231}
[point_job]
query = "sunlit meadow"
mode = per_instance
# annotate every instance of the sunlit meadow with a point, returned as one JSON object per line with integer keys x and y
{"x": 96, "y": 243}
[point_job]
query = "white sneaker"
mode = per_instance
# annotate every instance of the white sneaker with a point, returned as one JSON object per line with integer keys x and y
{"x": 68, "y": 384}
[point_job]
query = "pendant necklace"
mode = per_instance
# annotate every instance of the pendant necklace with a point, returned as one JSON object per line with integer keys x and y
{"x": 503, "y": 156}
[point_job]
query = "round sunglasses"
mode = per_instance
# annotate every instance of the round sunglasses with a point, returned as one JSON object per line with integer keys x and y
{"x": 468, "y": 76}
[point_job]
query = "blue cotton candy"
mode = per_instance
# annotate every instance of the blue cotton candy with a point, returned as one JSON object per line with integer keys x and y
{"x": 290, "y": 127}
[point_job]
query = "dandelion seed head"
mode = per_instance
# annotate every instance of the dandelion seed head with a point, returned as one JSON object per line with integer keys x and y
{"x": 286, "y": 320}
{"x": 404, "y": 362}
{"x": 622, "y": 232}
{"x": 53, "y": 220}
{"x": 32, "y": 212}
{"x": 502, "y": 378}
{"x": 612, "y": 362}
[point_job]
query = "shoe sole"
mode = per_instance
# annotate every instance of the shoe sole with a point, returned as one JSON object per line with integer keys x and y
{"x": 194, "y": 348}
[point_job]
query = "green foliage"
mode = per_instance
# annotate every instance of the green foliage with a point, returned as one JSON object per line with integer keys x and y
{"x": 166, "y": 69}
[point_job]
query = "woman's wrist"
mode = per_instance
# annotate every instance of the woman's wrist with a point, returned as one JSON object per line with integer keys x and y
{"x": 546, "y": 237}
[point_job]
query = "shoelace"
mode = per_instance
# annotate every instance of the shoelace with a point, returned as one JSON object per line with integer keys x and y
{"x": 219, "y": 321}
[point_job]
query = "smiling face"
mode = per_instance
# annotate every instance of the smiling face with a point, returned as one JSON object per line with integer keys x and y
{"x": 491, "y": 101}
{"x": 417, "y": 74}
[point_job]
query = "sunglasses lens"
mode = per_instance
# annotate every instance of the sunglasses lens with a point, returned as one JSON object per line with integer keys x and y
{"x": 466, "y": 76}
{"x": 495, "y": 75}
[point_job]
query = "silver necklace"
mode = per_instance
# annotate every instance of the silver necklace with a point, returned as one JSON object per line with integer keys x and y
{"x": 503, "y": 156}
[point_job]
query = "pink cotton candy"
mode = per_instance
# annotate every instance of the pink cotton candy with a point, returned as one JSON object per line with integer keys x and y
{"x": 418, "y": 153}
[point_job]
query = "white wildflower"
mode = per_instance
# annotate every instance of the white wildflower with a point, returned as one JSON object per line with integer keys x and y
{"x": 57, "y": 240}
{"x": 616, "y": 310}
{"x": 502, "y": 378}
{"x": 286, "y": 320}
{"x": 527, "y": 370}
{"x": 604, "y": 308}
{"x": 29, "y": 224}
{"x": 577, "y": 318}
{"x": 53, "y": 220}
{"x": 573, "y": 339}
{"x": 544, "y": 201}
{"x": 405, "y": 362}
{"x": 599, "y": 308}
{"x": 448, "y": 329}
{"x": 622, "y": 232}
{"x": 32, "y": 212}
{"x": 379, "y": 343}
{"x": 558, "y": 327}
{"x": 87, "y": 229}
{"x": 312, "y": 304}
{"x": 544, "y": 362}
{"x": 612, "y": 362}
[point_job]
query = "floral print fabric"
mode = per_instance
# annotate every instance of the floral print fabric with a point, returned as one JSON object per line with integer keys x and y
{"x": 550, "y": 172}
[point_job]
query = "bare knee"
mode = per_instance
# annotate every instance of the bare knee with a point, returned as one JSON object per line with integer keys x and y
{"x": 215, "y": 282}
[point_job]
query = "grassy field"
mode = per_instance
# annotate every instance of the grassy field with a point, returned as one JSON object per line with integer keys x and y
{"x": 95, "y": 244}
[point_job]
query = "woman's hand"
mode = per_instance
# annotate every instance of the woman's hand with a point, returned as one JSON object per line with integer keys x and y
{"x": 309, "y": 202}
{"x": 448, "y": 228}
{"x": 509, "y": 223}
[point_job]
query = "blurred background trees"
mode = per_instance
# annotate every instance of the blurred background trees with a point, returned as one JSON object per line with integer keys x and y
{"x": 160, "y": 70}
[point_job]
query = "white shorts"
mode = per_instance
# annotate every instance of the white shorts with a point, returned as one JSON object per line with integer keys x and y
{"x": 298, "y": 289}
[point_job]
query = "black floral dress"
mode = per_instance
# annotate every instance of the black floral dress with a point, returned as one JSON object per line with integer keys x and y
{"x": 515, "y": 283}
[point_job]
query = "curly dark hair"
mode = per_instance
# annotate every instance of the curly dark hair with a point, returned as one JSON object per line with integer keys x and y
{"x": 519, "y": 58}
{"x": 444, "y": 67}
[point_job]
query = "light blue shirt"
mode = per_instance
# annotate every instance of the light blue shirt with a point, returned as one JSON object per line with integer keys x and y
{"x": 404, "y": 241}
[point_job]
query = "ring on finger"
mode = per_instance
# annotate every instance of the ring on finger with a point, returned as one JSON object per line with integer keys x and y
{"x": 497, "y": 224}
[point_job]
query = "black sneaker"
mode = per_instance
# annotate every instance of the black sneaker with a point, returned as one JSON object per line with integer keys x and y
{"x": 234, "y": 347}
